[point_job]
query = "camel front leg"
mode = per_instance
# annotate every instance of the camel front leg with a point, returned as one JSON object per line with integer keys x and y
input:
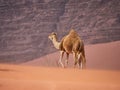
{"x": 66, "y": 61}
{"x": 61, "y": 57}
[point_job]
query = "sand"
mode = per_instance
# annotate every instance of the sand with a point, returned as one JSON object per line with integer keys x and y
{"x": 14, "y": 77}
{"x": 102, "y": 72}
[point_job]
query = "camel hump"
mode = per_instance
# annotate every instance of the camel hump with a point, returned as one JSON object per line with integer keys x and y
{"x": 73, "y": 33}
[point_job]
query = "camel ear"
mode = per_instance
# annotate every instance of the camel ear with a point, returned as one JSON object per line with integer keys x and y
{"x": 53, "y": 33}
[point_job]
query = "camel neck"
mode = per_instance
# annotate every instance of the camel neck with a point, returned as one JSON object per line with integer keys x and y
{"x": 56, "y": 43}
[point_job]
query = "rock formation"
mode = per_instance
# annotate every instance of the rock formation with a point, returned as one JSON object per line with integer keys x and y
{"x": 25, "y": 25}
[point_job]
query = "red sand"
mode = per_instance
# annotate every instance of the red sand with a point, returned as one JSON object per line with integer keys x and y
{"x": 38, "y": 78}
{"x": 99, "y": 56}
{"x": 102, "y": 73}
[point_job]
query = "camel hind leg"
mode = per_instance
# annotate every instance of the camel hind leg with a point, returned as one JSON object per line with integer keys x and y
{"x": 75, "y": 59}
{"x": 81, "y": 61}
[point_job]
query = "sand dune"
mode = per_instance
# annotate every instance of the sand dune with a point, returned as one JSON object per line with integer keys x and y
{"x": 14, "y": 77}
{"x": 99, "y": 56}
{"x": 102, "y": 73}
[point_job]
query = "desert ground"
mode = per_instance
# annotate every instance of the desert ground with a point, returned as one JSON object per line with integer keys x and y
{"x": 102, "y": 72}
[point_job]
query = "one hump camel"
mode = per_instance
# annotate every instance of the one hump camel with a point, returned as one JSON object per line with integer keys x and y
{"x": 70, "y": 43}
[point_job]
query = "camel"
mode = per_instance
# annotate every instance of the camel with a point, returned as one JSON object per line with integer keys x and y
{"x": 70, "y": 44}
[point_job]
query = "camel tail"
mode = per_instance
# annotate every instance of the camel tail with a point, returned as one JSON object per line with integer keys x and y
{"x": 83, "y": 49}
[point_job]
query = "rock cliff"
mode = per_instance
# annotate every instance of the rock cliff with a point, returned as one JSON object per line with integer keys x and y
{"x": 26, "y": 24}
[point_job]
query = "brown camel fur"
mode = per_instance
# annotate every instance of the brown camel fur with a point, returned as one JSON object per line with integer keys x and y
{"x": 71, "y": 43}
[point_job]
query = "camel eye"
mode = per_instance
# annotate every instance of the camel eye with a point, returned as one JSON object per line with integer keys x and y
{"x": 51, "y": 38}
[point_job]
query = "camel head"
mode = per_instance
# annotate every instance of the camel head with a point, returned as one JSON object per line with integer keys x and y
{"x": 52, "y": 36}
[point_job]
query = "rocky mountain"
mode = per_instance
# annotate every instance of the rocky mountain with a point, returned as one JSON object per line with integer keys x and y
{"x": 26, "y": 24}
